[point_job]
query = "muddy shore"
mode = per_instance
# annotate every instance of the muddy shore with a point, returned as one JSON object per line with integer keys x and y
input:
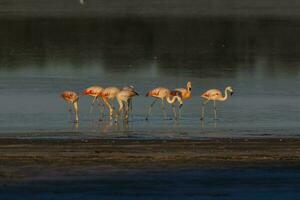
{"x": 43, "y": 159}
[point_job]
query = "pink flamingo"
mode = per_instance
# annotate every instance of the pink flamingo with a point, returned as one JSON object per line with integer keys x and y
{"x": 95, "y": 91}
{"x": 214, "y": 95}
{"x": 164, "y": 94}
{"x": 129, "y": 88}
{"x": 123, "y": 98}
{"x": 186, "y": 93}
{"x": 71, "y": 98}
{"x": 107, "y": 94}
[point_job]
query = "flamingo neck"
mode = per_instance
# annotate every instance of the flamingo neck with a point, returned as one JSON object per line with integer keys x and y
{"x": 225, "y": 97}
{"x": 188, "y": 89}
{"x": 172, "y": 100}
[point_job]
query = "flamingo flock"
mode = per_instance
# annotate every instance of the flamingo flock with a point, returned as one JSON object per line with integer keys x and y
{"x": 125, "y": 95}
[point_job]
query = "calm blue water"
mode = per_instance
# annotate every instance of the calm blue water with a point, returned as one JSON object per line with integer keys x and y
{"x": 41, "y": 58}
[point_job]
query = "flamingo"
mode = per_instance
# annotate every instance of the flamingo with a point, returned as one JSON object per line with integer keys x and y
{"x": 164, "y": 94}
{"x": 123, "y": 98}
{"x": 71, "y": 98}
{"x": 185, "y": 93}
{"x": 95, "y": 92}
{"x": 214, "y": 95}
{"x": 107, "y": 94}
{"x": 129, "y": 88}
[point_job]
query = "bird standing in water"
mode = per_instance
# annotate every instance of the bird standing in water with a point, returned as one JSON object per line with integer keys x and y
{"x": 184, "y": 92}
{"x": 123, "y": 98}
{"x": 164, "y": 94}
{"x": 95, "y": 92}
{"x": 129, "y": 88}
{"x": 108, "y": 94}
{"x": 214, "y": 95}
{"x": 71, "y": 98}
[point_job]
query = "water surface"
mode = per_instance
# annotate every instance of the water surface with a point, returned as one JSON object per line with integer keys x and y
{"x": 258, "y": 57}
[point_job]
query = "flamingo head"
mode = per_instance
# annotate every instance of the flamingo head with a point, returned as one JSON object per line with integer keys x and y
{"x": 230, "y": 90}
{"x": 189, "y": 85}
{"x": 180, "y": 105}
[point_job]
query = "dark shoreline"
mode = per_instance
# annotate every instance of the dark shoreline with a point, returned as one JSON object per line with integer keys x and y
{"x": 26, "y": 159}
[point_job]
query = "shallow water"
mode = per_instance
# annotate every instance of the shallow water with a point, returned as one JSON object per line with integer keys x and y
{"x": 259, "y": 58}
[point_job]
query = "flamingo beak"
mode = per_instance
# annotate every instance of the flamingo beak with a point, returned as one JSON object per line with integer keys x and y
{"x": 231, "y": 93}
{"x": 180, "y": 105}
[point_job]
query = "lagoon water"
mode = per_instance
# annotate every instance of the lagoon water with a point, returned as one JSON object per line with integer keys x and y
{"x": 258, "y": 57}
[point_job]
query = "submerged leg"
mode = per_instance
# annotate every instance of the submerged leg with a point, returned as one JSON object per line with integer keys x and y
{"x": 215, "y": 110}
{"x": 174, "y": 111}
{"x": 203, "y": 107}
{"x": 126, "y": 111}
{"x": 163, "y": 108}
{"x": 101, "y": 106}
{"x": 150, "y": 108}
{"x": 69, "y": 109}
{"x": 179, "y": 111}
{"x": 92, "y": 105}
{"x": 130, "y": 106}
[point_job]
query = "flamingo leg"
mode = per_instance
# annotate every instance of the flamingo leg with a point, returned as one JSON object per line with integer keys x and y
{"x": 174, "y": 111}
{"x": 126, "y": 111}
{"x": 163, "y": 108}
{"x": 203, "y": 107}
{"x": 129, "y": 101}
{"x": 101, "y": 105}
{"x": 92, "y": 104}
{"x": 215, "y": 110}
{"x": 150, "y": 108}
{"x": 75, "y": 104}
{"x": 120, "y": 109}
{"x": 106, "y": 101}
{"x": 69, "y": 110}
{"x": 179, "y": 111}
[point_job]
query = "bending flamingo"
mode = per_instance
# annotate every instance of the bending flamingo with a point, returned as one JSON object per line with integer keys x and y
{"x": 185, "y": 93}
{"x": 71, "y": 98}
{"x": 108, "y": 94}
{"x": 214, "y": 95}
{"x": 164, "y": 94}
{"x": 95, "y": 91}
{"x": 129, "y": 88}
{"x": 123, "y": 98}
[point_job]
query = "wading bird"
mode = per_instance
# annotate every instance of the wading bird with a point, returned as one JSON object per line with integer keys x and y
{"x": 214, "y": 95}
{"x": 185, "y": 93}
{"x": 71, "y": 98}
{"x": 129, "y": 88}
{"x": 108, "y": 94}
{"x": 164, "y": 94}
{"x": 123, "y": 98}
{"x": 95, "y": 91}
